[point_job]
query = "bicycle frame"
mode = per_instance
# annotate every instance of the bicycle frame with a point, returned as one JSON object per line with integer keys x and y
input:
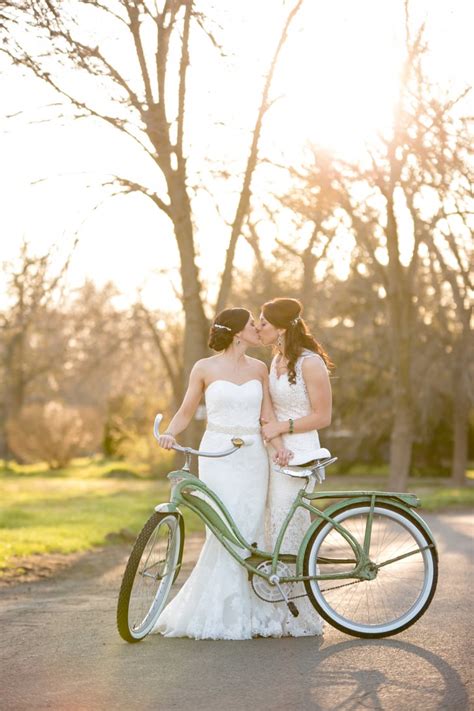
{"x": 220, "y": 522}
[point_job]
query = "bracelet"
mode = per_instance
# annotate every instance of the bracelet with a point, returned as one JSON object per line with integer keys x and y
{"x": 169, "y": 434}
{"x": 292, "y": 426}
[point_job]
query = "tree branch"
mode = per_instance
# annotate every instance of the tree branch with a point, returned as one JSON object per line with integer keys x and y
{"x": 133, "y": 16}
{"x": 184, "y": 63}
{"x": 244, "y": 200}
{"x": 130, "y": 186}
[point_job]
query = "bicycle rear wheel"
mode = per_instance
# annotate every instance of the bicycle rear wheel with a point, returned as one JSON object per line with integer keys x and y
{"x": 401, "y": 590}
{"x": 151, "y": 570}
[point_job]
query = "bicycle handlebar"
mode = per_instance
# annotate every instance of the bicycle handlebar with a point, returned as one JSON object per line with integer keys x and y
{"x": 238, "y": 442}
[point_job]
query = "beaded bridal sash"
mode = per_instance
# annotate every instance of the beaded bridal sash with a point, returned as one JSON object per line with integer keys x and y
{"x": 234, "y": 430}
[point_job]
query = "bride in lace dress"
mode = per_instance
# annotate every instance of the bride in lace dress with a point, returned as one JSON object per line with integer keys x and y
{"x": 301, "y": 397}
{"x": 217, "y": 602}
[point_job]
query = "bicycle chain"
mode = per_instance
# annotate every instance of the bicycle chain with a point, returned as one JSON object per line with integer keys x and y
{"x": 354, "y": 582}
{"x": 344, "y": 585}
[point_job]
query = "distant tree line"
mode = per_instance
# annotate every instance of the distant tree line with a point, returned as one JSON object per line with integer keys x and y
{"x": 82, "y": 376}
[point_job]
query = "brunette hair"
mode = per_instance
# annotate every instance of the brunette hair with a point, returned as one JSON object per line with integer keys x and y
{"x": 286, "y": 313}
{"x": 224, "y": 327}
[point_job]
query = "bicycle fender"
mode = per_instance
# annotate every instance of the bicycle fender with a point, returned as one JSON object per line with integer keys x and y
{"x": 414, "y": 514}
{"x": 336, "y": 507}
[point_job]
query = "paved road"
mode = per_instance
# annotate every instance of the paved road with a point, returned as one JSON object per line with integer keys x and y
{"x": 60, "y": 651}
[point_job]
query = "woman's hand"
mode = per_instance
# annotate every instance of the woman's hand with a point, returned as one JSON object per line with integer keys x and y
{"x": 270, "y": 430}
{"x": 282, "y": 456}
{"x": 166, "y": 441}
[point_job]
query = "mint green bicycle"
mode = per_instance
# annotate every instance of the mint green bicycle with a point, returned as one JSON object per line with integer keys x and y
{"x": 368, "y": 561}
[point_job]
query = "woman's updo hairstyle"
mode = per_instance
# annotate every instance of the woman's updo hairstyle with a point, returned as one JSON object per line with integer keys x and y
{"x": 286, "y": 313}
{"x": 225, "y": 325}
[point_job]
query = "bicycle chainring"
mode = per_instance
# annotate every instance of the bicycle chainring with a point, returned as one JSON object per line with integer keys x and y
{"x": 263, "y": 588}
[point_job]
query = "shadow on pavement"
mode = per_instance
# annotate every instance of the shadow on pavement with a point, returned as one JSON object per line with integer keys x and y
{"x": 277, "y": 674}
{"x": 384, "y": 674}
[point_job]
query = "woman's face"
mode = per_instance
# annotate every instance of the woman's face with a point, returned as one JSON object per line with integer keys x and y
{"x": 267, "y": 332}
{"x": 249, "y": 334}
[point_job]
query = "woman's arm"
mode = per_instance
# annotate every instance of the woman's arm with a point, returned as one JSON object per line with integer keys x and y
{"x": 267, "y": 415}
{"x": 187, "y": 409}
{"x": 316, "y": 378}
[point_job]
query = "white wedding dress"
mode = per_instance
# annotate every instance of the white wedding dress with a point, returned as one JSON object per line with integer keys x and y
{"x": 217, "y": 601}
{"x": 292, "y": 400}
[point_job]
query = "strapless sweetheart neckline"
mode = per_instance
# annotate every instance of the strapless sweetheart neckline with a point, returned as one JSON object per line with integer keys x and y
{"x": 231, "y": 382}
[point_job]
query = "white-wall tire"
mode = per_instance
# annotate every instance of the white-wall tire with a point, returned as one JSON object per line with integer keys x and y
{"x": 151, "y": 570}
{"x": 401, "y": 592}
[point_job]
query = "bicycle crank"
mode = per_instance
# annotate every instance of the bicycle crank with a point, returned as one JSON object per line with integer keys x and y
{"x": 271, "y": 589}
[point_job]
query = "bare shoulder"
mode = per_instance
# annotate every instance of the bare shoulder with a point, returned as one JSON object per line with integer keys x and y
{"x": 259, "y": 366}
{"x": 203, "y": 365}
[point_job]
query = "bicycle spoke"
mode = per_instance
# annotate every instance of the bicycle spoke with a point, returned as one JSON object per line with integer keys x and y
{"x": 154, "y": 574}
{"x": 402, "y": 579}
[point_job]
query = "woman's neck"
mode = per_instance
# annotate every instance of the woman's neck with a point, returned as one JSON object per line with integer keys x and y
{"x": 234, "y": 354}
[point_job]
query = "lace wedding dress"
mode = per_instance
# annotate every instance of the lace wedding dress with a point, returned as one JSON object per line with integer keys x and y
{"x": 292, "y": 400}
{"x": 217, "y": 601}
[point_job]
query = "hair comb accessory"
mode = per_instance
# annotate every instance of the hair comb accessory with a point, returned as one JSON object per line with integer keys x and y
{"x": 218, "y": 325}
{"x": 295, "y": 321}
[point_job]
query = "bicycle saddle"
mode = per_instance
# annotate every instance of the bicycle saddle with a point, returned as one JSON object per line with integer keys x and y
{"x": 315, "y": 468}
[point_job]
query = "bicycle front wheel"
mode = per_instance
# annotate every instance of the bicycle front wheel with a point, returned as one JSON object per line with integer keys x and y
{"x": 406, "y": 572}
{"x": 151, "y": 570}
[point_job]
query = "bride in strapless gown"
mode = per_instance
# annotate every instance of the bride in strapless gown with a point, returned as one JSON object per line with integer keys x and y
{"x": 217, "y": 601}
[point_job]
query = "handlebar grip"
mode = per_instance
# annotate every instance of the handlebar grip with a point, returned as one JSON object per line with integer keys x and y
{"x": 156, "y": 426}
{"x": 156, "y": 432}
{"x": 236, "y": 441}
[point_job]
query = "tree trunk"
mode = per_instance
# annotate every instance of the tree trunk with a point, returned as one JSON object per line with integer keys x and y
{"x": 196, "y": 330}
{"x": 307, "y": 285}
{"x": 14, "y": 375}
{"x": 401, "y": 444}
{"x": 401, "y": 440}
{"x": 14, "y": 390}
{"x": 460, "y": 434}
{"x": 402, "y": 435}
{"x": 460, "y": 415}
{"x": 399, "y": 323}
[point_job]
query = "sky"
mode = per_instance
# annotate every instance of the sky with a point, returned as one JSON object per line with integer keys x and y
{"x": 336, "y": 84}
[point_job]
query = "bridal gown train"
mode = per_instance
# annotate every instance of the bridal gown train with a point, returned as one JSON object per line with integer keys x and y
{"x": 292, "y": 400}
{"x": 217, "y": 601}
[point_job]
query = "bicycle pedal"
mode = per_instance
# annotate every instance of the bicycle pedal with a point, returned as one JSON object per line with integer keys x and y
{"x": 293, "y": 609}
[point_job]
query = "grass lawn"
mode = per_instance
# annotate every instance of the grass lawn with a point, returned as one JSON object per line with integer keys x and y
{"x": 75, "y": 509}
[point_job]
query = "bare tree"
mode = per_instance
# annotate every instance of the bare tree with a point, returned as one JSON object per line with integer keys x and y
{"x": 422, "y": 161}
{"x": 49, "y": 38}
{"x": 314, "y": 205}
{"x": 32, "y": 286}
{"x": 457, "y": 275}
{"x": 168, "y": 345}
{"x": 245, "y": 194}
